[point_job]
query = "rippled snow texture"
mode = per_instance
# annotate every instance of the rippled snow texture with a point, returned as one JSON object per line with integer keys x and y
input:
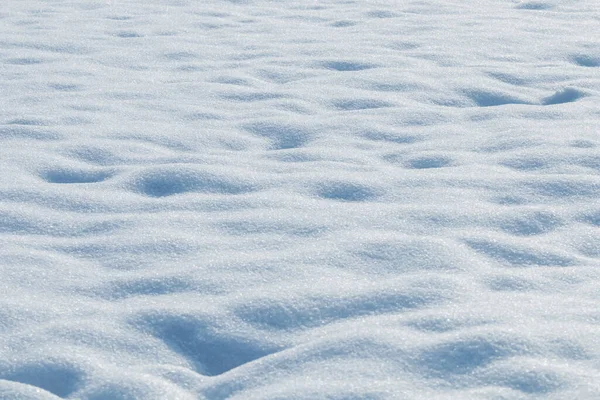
{"x": 262, "y": 199}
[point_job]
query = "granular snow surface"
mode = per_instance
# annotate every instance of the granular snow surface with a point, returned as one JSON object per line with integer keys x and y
{"x": 300, "y": 199}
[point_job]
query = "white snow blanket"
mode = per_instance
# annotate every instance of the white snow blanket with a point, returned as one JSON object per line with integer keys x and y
{"x": 299, "y": 199}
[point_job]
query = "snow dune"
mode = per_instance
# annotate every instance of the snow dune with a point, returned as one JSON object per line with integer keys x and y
{"x": 261, "y": 199}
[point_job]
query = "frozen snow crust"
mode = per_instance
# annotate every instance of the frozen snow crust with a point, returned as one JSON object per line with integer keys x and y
{"x": 253, "y": 199}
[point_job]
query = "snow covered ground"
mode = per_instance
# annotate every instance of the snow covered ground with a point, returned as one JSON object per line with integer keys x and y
{"x": 299, "y": 199}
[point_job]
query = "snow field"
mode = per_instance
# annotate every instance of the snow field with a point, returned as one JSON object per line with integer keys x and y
{"x": 296, "y": 200}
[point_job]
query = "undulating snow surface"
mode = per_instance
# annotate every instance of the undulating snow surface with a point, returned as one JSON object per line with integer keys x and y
{"x": 254, "y": 199}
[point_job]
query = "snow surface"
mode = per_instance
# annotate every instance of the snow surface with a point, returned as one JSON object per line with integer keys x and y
{"x": 261, "y": 199}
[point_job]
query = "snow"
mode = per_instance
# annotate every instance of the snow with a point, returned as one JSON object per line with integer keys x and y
{"x": 262, "y": 199}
